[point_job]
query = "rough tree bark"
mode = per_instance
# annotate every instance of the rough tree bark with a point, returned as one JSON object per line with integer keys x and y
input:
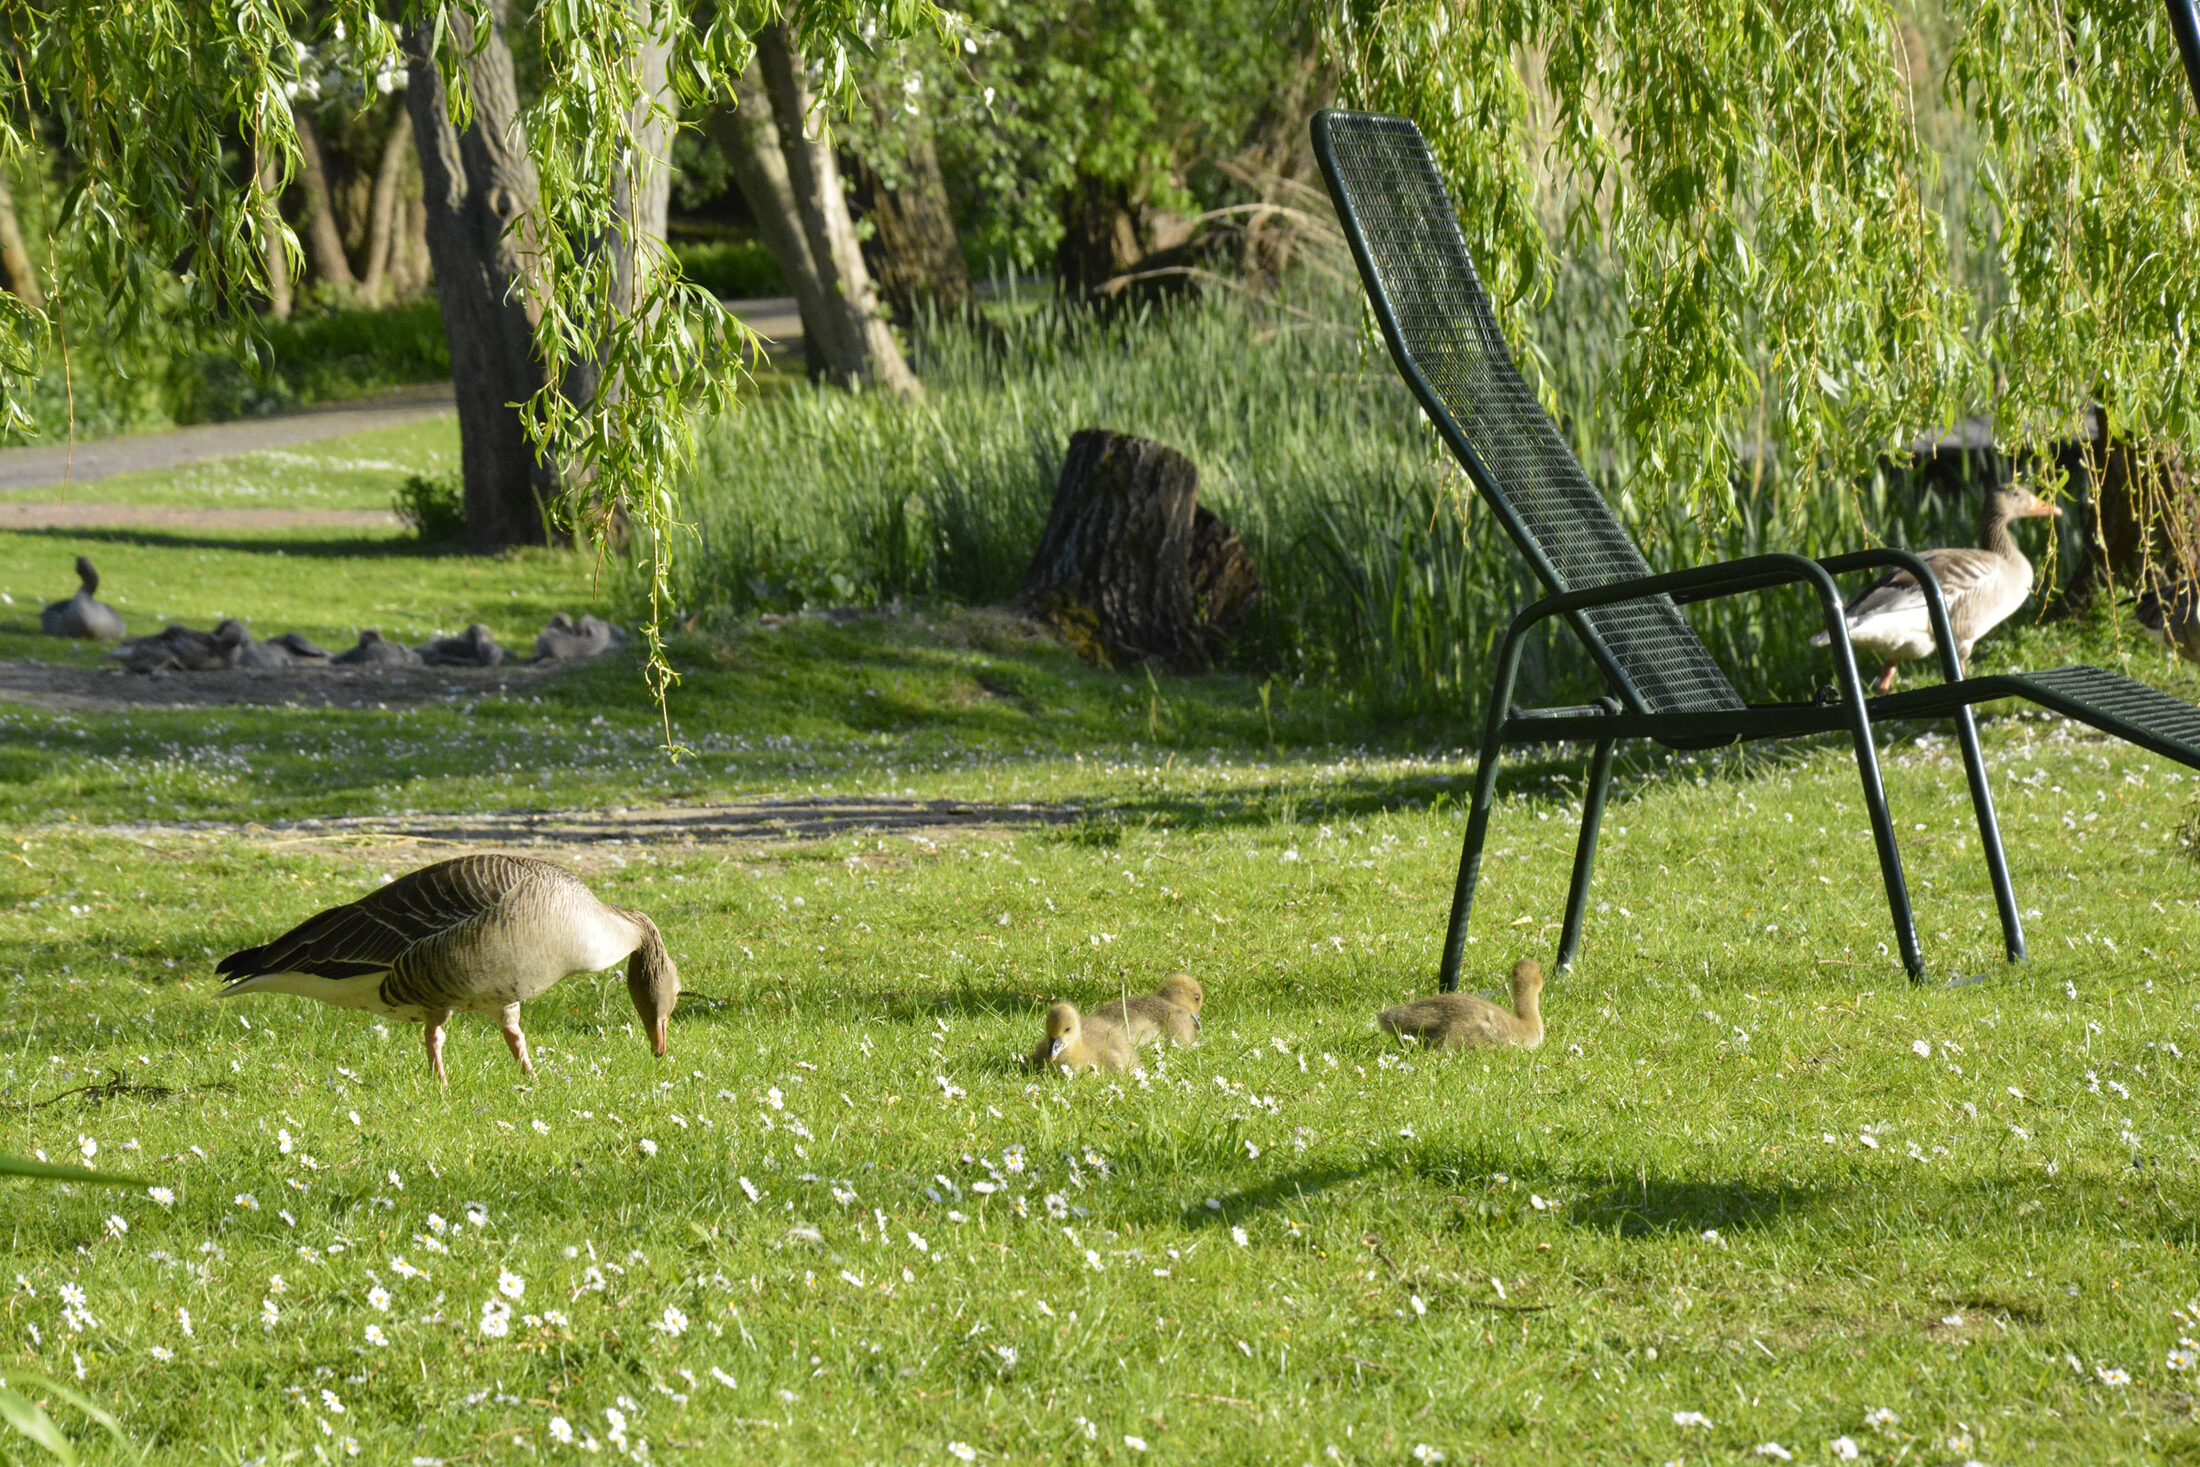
{"x": 749, "y": 138}
{"x": 854, "y": 339}
{"x": 1131, "y": 565}
{"x": 480, "y": 192}
{"x": 2139, "y": 515}
{"x": 15, "y": 257}
{"x": 913, "y": 251}
{"x": 323, "y": 239}
{"x": 385, "y": 206}
{"x": 266, "y": 202}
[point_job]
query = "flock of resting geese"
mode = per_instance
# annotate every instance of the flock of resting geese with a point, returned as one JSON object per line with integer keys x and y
{"x": 230, "y": 644}
{"x": 485, "y": 933}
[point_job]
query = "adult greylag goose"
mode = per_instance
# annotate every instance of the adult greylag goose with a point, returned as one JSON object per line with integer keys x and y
{"x": 566, "y": 640}
{"x": 1462, "y": 1020}
{"x": 479, "y": 935}
{"x": 477, "y": 646}
{"x": 376, "y": 650}
{"x": 183, "y": 649}
{"x": 1170, "y": 1012}
{"x": 1983, "y": 589}
{"x": 83, "y": 615}
{"x": 291, "y": 649}
{"x": 1076, "y": 1043}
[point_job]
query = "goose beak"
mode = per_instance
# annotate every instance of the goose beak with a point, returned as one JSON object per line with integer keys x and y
{"x": 1055, "y": 1047}
{"x": 2041, "y": 509}
{"x": 657, "y": 1043}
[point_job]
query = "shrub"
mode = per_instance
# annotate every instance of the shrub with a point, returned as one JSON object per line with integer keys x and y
{"x": 434, "y": 506}
{"x": 734, "y": 269}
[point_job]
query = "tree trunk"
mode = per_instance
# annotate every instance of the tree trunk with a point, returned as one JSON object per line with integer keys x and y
{"x": 277, "y": 258}
{"x": 387, "y": 205}
{"x": 322, "y": 236}
{"x": 749, "y": 138}
{"x": 853, "y": 337}
{"x": 913, "y": 249}
{"x": 2139, "y": 516}
{"x": 14, "y": 256}
{"x": 1099, "y": 239}
{"x": 482, "y": 214}
{"x": 1131, "y": 567}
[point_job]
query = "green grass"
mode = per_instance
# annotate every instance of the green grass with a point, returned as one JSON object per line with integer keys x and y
{"x": 1729, "y": 1184}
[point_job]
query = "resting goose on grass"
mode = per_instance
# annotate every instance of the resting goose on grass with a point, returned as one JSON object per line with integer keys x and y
{"x": 1171, "y": 1012}
{"x": 480, "y": 935}
{"x": 1983, "y": 589}
{"x": 1461, "y": 1020}
{"x": 1075, "y": 1043}
{"x": 82, "y": 615}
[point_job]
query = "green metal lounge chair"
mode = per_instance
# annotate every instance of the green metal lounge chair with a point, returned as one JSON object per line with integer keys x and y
{"x": 1664, "y": 683}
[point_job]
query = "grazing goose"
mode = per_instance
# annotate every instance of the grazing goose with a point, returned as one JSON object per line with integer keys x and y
{"x": 474, "y": 647}
{"x": 376, "y": 650}
{"x": 2174, "y": 621}
{"x": 1983, "y": 589}
{"x": 83, "y": 615}
{"x": 1461, "y": 1020}
{"x": 565, "y": 640}
{"x": 1171, "y": 1012}
{"x": 291, "y": 649}
{"x": 1073, "y": 1044}
{"x": 480, "y": 934}
{"x": 181, "y": 649}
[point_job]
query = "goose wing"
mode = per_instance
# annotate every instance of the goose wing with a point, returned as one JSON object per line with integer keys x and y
{"x": 1966, "y": 577}
{"x": 370, "y": 935}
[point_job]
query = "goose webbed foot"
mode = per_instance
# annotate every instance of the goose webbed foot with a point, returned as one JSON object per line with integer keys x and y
{"x": 516, "y": 1040}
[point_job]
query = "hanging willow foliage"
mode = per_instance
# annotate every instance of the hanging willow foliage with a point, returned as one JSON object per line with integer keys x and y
{"x": 149, "y": 101}
{"x": 1794, "y": 262}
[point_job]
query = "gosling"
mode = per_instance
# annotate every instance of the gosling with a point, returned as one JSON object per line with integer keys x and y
{"x": 1170, "y": 1012}
{"x": 1074, "y": 1044}
{"x": 1462, "y": 1021}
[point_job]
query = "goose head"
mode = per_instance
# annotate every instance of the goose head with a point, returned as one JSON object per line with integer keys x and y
{"x": 1527, "y": 984}
{"x": 88, "y": 577}
{"x": 2015, "y": 502}
{"x": 1063, "y": 1029}
{"x": 652, "y": 982}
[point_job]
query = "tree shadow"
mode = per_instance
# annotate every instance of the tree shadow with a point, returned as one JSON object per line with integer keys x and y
{"x": 394, "y": 546}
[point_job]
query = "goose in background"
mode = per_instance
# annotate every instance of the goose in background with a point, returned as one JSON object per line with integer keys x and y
{"x": 478, "y": 935}
{"x": 376, "y": 650}
{"x": 1170, "y": 1012}
{"x": 1075, "y": 1043}
{"x": 1983, "y": 588}
{"x": 474, "y": 647}
{"x": 182, "y": 649}
{"x": 291, "y": 649}
{"x": 83, "y": 615}
{"x": 1462, "y": 1020}
{"x": 2173, "y": 620}
{"x": 565, "y": 640}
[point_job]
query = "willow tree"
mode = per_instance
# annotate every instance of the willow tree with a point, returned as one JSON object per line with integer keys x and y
{"x": 1793, "y": 260}
{"x": 154, "y": 104}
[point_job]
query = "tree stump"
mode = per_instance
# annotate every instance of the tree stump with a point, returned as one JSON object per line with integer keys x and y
{"x": 1131, "y": 568}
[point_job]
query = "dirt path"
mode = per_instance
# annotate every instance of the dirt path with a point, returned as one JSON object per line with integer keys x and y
{"x": 33, "y": 515}
{"x": 40, "y": 465}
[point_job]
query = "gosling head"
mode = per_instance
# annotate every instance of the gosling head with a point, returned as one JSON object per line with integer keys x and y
{"x": 1527, "y": 980}
{"x": 1063, "y": 1029}
{"x": 1183, "y": 990}
{"x": 653, "y": 983}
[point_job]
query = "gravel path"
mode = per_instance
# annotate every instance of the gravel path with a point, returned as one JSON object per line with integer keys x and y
{"x": 42, "y": 465}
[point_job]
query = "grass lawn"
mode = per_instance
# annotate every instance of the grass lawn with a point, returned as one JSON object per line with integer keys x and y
{"x": 1756, "y": 1197}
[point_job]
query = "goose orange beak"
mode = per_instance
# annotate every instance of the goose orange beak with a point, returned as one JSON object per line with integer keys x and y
{"x": 657, "y": 1043}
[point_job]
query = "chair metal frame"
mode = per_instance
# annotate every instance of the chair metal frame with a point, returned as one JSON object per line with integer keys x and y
{"x": 2106, "y": 700}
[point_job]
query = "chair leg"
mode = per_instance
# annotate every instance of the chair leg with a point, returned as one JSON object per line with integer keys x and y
{"x": 1585, "y": 854}
{"x": 1470, "y": 859}
{"x": 1989, "y": 836}
{"x": 1890, "y": 859}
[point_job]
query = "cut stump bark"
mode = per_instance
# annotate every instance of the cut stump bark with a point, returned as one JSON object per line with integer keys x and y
{"x": 1131, "y": 567}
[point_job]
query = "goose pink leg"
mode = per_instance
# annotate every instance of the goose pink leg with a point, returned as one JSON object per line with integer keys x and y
{"x": 516, "y": 1040}
{"x": 434, "y": 1041}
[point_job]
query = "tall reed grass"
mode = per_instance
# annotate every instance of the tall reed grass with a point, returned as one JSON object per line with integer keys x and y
{"x": 1385, "y": 577}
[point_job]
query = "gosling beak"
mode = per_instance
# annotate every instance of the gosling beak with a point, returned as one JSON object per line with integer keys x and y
{"x": 1055, "y": 1048}
{"x": 1199, "y": 1025}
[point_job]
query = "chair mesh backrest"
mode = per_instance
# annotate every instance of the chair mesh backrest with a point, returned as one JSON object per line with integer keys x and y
{"x": 1438, "y": 321}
